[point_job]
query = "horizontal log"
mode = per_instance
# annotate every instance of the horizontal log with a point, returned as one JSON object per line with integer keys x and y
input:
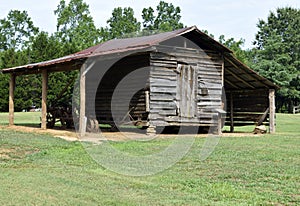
{"x": 163, "y": 65}
{"x": 171, "y": 90}
{"x": 165, "y": 97}
{"x": 206, "y": 104}
{"x": 244, "y": 124}
{"x": 162, "y": 82}
{"x": 161, "y": 56}
{"x": 162, "y": 105}
{"x": 250, "y": 109}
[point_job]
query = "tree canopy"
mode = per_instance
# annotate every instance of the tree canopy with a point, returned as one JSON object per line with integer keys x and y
{"x": 120, "y": 24}
{"x": 75, "y": 25}
{"x": 16, "y": 31}
{"x": 167, "y": 17}
{"x": 277, "y": 54}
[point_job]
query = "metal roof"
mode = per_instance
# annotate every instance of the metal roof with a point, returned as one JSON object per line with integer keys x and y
{"x": 116, "y": 46}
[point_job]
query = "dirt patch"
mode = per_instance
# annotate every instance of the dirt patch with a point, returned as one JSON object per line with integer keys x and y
{"x": 4, "y": 153}
{"x": 71, "y": 135}
{"x": 15, "y": 153}
{"x": 66, "y": 134}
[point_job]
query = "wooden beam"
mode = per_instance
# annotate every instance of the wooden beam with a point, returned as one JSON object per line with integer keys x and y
{"x": 228, "y": 82}
{"x": 272, "y": 111}
{"x": 249, "y": 91}
{"x": 44, "y": 99}
{"x": 231, "y": 113}
{"x": 12, "y": 84}
{"x": 239, "y": 78}
{"x": 82, "y": 118}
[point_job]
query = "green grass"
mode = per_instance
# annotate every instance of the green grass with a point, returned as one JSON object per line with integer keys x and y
{"x": 22, "y": 118}
{"x": 256, "y": 170}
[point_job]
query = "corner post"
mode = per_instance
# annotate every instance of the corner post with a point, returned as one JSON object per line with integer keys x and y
{"x": 12, "y": 84}
{"x": 231, "y": 113}
{"x": 44, "y": 99}
{"x": 272, "y": 111}
{"x": 82, "y": 118}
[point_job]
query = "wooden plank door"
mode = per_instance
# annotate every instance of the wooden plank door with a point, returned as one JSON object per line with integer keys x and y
{"x": 187, "y": 91}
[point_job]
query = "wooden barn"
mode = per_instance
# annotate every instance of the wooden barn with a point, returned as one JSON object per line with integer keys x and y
{"x": 178, "y": 78}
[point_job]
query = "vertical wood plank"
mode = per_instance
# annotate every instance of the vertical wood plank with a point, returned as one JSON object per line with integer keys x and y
{"x": 12, "y": 83}
{"x": 231, "y": 113}
{"x": 188, "y": 91}
{"x": 219, "y": 127}
{"x": 147, "y": 101}
{"x": 184, "y": 43}
{"x": 223, "y": 69}
{"x": 272, "y": 110}
{"x": 82, "y": 118}
{"x": 44, "y": 99}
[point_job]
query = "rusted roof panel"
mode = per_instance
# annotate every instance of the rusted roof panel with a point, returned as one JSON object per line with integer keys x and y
{"x": 117, "y": 46}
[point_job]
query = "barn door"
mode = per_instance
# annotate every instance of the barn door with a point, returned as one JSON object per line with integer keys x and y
{"x": 187, "y": 91}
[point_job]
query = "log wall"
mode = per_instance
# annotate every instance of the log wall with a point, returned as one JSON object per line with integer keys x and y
{"x": 165, "y": 103}
{"x": 120, "y": 97}
{"x": 247, "y": 106}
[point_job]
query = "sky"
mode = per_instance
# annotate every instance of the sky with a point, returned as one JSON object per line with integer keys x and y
{"x": 233, "y": 18}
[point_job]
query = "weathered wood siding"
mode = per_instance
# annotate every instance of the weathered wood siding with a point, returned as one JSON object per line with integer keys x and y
{"x": 163, "y": 89}
{"x": 203, "y": 70}
{"x": 248, "y": 106}
{"x": 113, "y": 103}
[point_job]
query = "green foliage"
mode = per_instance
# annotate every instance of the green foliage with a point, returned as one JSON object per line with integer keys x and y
{"x": 16, "y": 30}
{"x": 167, "y": 17}
{"x": 4, "y": 85}
{"x": 16, "y": 34}
{"x": 27, "y": 92}
{"x": 75, "y": 26}
{"x": 121, "y": 24}
{"x": 277, "y": 54}
{"x": 236, "y": 47}
{"x": 45, "y": 47}
{"x": 12, "y": 58}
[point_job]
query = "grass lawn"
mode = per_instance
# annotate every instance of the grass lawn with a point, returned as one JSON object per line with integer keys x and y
{"x": 38, "y": 169}
{"x": 22, "y": 118}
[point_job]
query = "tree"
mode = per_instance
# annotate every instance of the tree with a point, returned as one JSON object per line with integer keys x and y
{"x": 75, "y": 26}
{"x": 236, "y": 47}
{"x": 167, "y": 17}
{"x": 277, "y": 54}
{"x": 45, "y": 47}
{"x": 121, "y": 24}
{"x": 16, "y": 30}
{"x": 16, "y": 34}
{"x": 12, "y": 58}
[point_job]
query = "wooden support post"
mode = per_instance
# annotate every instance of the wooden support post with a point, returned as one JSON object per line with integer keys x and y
{"x": 151, "y": 130}
{"x": 44, "y": 99}
{"x": 231, "y": 113}
{"x": 147, "y": 99}
{"x": 219, "y": 127}
{"x": 219, "y": 117}
{"x": 12, "y": 84}
{"x": 272, "y": 111}
{"x": 82, "y": 118}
